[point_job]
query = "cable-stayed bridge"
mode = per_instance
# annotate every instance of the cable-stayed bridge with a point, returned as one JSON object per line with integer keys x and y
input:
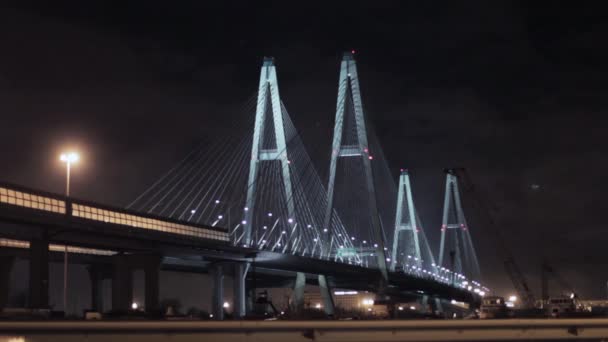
{"x": 257, "y": 194}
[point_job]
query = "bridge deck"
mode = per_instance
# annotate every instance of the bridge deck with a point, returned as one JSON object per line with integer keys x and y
{"x": 25, "y": 214}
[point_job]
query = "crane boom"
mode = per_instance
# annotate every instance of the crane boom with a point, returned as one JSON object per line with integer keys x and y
{"x": 513, "y": 271}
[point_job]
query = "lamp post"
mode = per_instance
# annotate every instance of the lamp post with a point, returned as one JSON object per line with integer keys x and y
{"x": 68, "y": 159}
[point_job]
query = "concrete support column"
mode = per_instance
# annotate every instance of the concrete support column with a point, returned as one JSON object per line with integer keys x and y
{"x": 436, "y": 307}
{"x": 239, "y": 289}
{"x": 122, "y": 284}
{"x": 298, "y": 291}
{"x": 6, "y": 266}
{"x": 39, "y": 273}
{"x": 96, "y": 277}
{"x": 217, "y": 298}
{"x": 152, "y": 275}
{"x": 328, "y": 301}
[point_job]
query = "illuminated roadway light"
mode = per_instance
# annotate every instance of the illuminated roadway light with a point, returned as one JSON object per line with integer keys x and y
{"x": 263, "y": 241}
{"x": 269, "y": 214}
{"x": 375, "y": 245}
{"x": 243, "y": 222}
{"x": 315, "y": 239}
{"x": 290, "y": 220}
{"x": 246, "y": 209}
{"x": 339, "y": 234}
{"x": 265, "y": 227}
{"x": 226, "y": 305}
{"x": 324, "y": 230}
{"x": 352, "y": 238}
{"x": 308, "y": 226}
{"x": 388, "y": 259}
{"x": 412, "y": 308}
{"x": 217, "y": 201}
{"x": 134, "y": 306}
{"x": 192, "y": 211}
{"x": 364, "y": 241}
{"x": 71, "y": 157}
{"x": 370, "y": 157}
{"x": 219, "y": 217}
{"x": 401, "y": 308}
{"x": 283, "y": 232}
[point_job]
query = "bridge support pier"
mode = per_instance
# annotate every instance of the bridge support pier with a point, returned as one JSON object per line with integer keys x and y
{"x": 96, "y": 276}
{"x": 6, "y": 266}
{"x": 39, "y": 273}
{"x": 122, "y": 284}
{"x": 239, "y": 289}
{"x": 435, "y": 305}
{"x": 151, "y": 266}
{"x": 298, "y": 291}
{"x": 217, "y": 299}
{"x": 328, "y": 301}
{"x": 122, "y": 280}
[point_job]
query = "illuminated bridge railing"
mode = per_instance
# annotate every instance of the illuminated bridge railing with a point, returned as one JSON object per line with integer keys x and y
{"x": 29, "y": 200}
{"x": 32, "y": 199}
{"x": 11, "y": 243}
{"x": 110, "y": 216}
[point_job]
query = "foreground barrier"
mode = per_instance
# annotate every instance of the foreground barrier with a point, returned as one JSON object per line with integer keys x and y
{"x": 294, "y": 331}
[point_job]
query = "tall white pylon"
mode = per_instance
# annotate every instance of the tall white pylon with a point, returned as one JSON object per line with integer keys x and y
{"x": 268, "y": 87}
{"x": 406, "y": 220}
{"x": 460, "y": 249}
{"x": 350, "y": 80}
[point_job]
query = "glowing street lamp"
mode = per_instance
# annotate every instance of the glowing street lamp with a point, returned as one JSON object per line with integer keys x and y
{"x": 68, "y": 158}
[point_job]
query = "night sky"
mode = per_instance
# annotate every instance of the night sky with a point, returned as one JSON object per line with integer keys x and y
{"x": 515, "y": 93}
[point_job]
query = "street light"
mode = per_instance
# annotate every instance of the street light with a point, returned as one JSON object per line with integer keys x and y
{"x": 68, "y": 159}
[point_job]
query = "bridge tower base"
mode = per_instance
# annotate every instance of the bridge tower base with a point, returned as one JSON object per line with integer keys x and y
{"x": 239, "y": 290}
{"x": 298, "y": 291}
{"x": 328, "y": 300}
{"x": 217, "y": 297}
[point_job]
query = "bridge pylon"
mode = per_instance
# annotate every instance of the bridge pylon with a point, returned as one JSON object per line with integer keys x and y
{"x": 348, "y": 87}
{"x": 268, "y": 95}
{"x": 406, "y": 220}
{"x": 455, "y": 238}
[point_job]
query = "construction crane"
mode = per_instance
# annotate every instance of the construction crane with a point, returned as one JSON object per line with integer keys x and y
{"x": 513, "y": 271}
{"x": 548, "y": 271}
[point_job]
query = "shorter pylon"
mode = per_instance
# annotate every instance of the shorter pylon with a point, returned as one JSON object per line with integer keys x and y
{"x": 407, "y": 226}
{"x": 463, "y": 258}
